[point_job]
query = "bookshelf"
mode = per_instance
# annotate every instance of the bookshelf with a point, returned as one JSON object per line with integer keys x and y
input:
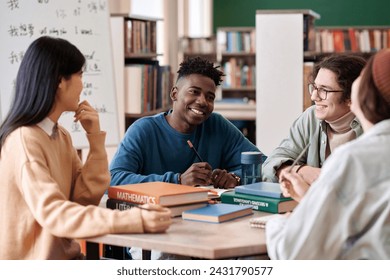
{"x": 360, "y": 39}
{"x": 283, "y": 37}
{"x": 236, "y": 55}
{"x": 204, "y": 47}
{"x": 236, "y": 96}
{"x": 142, "y": 83}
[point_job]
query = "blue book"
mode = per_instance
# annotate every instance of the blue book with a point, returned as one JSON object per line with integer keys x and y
{"x": 217, "y": 213}
{"x": 266, "y": 189}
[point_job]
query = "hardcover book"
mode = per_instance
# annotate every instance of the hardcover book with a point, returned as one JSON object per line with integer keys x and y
{"x": 217, "y": 213}
{"x": 267, "y": 189}
{"x": 260, "y": 203}
{"x": 176, "y": 210}
{"x": 165, "y": 194}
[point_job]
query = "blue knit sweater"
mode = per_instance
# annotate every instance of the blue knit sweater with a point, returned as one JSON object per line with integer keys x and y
{"x": 153, "y": 151}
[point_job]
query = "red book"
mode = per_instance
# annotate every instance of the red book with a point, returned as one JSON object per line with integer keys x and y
{"x": 338, "y": 41}
{"x": 165, "y": 194}
{"x": 352, "y": 37}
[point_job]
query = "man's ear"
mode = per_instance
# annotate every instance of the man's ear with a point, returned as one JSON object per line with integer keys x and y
{"x": 174, "y": 92}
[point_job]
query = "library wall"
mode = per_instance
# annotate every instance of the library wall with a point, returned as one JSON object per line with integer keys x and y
{"x": 333, "y": 13}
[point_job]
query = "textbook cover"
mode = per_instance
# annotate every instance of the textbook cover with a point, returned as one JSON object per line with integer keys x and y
{"x": 162, "y": 193}
{"x": 267, "y": 189}
{"x": 260, "y": 203}
{"x": 217, "y": 213}
{"x": 176, "y": 210}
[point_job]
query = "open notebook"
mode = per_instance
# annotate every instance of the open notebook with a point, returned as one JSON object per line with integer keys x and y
{"x": 215, "y": 193}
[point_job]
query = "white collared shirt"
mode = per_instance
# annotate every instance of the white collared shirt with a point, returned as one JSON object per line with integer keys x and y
{"x": 47, "y": 126}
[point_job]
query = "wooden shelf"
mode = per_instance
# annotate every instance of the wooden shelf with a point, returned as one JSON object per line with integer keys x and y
{"x": 236, "y": 111}
{"x": 141, "y": 55}
{"x": 204, "y": 47}
{"x": 243, "y": 88}
{"x": 235, "y": 54}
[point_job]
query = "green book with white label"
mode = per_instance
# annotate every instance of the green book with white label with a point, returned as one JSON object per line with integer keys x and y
{"x": 260, "y": 203}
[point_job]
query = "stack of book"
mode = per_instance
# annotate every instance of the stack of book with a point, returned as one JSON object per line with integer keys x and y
{"x": 177, "y": 198}
{"x": 262, "y": 196}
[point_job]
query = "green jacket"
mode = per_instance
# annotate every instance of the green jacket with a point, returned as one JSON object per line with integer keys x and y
{"x": 307, "y": 128}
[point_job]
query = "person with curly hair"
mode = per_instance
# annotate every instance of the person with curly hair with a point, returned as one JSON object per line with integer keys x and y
{"x": 345, "y": 213}
{"x": 326, "y": 125}
{"x": 155, "y": 148}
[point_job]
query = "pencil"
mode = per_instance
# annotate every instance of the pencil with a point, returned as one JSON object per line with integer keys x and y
{"x": 196, "y": 152}
{"x": 299, "y": 157}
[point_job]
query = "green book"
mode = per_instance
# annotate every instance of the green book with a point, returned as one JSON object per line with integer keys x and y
{"x": 260, "y": 203}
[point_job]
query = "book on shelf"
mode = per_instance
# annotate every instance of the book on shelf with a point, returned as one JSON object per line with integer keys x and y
{"x": 308, "y": 32}
{"x": 176, "y": 210}
{"x": 267, "y": 189}
{"x": 162, "y": 193}
{"x": 260, "y": 203}
{"x": 165, "y": 83}
{"x": 133, "y": 88}
{"x": 338, "y": 40}
{"x": 217, "y": 213}
{"x": 355, "y": 39}
{"x": 143, "y": 86}
{"x": 307, "y": 73}
{"x": 140, "y": 36}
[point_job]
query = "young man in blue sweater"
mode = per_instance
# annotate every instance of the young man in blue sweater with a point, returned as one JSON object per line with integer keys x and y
{"x": 155, "y": 148}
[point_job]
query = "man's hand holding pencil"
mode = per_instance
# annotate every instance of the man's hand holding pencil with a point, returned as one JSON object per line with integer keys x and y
{"x": 198, "y": 174}
{"x": 220, "y": 178}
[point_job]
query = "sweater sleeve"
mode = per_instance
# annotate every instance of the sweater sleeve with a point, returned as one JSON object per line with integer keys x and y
{"x": 329, "y": 204}
{"x": 64, "y": 218}
{"x": 289, "y": 148}
{"x": 48, "y": 199}
{"x": 92, "y": 179}
{"x": 131, "y": 157}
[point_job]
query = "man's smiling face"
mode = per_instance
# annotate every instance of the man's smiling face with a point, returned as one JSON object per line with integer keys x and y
{"x": 193, "y": 102}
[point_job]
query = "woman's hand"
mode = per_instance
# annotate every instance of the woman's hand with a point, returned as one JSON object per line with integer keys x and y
{"x": 293, "y": 185}
{"x": 309, "y": 173}
{"x": 88, "y": 117}
{"x": 156, "y": 218}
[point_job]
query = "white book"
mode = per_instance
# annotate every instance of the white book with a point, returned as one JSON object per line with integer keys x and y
{"x": 133, "y": 89}
{"x": 365, "y": 41}
{"x": 377, "y": 39}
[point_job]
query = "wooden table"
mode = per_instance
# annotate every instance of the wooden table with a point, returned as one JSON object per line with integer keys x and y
{"x": 196, "y": 239}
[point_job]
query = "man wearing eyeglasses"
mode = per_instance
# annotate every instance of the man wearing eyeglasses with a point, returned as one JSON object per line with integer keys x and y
{"x": 326, "y": 125}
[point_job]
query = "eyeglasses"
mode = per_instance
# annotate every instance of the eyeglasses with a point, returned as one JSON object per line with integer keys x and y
{"x": 321, "y": 92}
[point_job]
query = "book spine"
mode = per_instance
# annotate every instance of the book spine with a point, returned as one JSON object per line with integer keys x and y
{"x": 118, "y": 204}
{"x": 135, "y": 198}
{"x": 257, "y": 204}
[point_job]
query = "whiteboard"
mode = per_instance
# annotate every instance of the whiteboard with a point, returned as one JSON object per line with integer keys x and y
{"x": 84, "y": 23}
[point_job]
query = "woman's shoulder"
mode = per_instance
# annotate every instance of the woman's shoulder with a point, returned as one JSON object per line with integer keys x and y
{"x": 27, "y": 138}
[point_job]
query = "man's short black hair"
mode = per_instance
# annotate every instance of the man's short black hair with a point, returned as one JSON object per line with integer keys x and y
{"x": 198, "y": 65}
